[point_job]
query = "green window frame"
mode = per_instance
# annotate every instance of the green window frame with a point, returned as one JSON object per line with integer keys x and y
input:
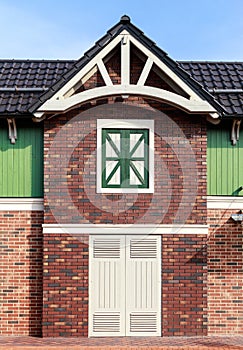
{"x": 125, "y": 159}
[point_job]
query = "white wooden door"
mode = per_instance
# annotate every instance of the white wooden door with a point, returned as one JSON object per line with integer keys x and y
{"x": 143, "y": 286}
{"x": 125, "y": 285}
{"x": 107, "y": 286}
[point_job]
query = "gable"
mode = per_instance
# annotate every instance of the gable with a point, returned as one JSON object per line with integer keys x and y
{"x": 126, "y": 63}
{"x": 155, "y": 77}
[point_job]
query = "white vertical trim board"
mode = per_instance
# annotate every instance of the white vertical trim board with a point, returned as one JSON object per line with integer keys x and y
{"x": 125, "y": 60}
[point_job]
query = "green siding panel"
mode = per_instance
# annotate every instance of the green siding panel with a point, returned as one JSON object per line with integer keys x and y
{"x": 21, "y": 164}
{"x": 224, "y": 161}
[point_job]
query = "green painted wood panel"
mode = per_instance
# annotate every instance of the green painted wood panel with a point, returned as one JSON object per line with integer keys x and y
{"x": 224, "y": 161}
{"x": 21, "y": 164}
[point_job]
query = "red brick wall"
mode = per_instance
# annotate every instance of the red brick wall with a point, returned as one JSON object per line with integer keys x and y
{"x": 113, "y": 66}
{"x": 65, "y": 282}
{"x": 225, "y": 273}
{"x": 184, "y": 285}
{"x": 80, "y": 174}
{"x": 21, "y": 272}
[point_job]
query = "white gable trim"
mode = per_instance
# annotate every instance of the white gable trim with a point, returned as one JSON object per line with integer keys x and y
{"x": 190, "y": 106}
{"x": 125, "y": 60}
{"x": 87, "y": 68}
{"x": 166, "y": 70}
{"x": 145, "y": 72}
{"x": 104, "y": 73}
{"x": 63, "y": 100}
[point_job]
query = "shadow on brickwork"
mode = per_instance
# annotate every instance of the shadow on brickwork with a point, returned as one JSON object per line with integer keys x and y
{"x": 35, "y": 275}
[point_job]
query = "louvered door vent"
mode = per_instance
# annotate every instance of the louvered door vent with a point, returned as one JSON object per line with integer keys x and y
{"x": 143, "y": 322}
{"x": 106, "y": 322}
{"x": 103, "y": 248}
{"x": 146, "y": 248}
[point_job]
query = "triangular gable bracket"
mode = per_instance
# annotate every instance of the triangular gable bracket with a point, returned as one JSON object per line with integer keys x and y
{"x": 125, "y": 35}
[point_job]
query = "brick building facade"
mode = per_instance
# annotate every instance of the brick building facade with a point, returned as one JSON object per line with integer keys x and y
{"x": 126, "y": 241}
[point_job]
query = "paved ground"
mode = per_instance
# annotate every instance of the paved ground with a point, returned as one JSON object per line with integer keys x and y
{"x": 134, "y": 343}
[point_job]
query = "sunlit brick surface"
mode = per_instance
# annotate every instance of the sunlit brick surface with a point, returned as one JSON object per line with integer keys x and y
{"x": 225, "y": 273}
{"x": 20, "y": 272}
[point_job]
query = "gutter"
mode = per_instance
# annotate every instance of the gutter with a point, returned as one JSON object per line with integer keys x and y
{"x": 22, "y": 89}
{"x": 226, "y": 91}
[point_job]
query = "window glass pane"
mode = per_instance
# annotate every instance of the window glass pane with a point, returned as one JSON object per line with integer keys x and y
{"x": 137, "y": 172}
{"x": 112, "y": 144}
{"x": 112, "y": 173}
{"x": 136, "y": 145}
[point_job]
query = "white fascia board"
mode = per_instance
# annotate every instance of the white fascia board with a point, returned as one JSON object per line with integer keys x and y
{"x": 82, "y": 81}
{"x": 21, "y": 204}
{"x": 166, "y": 69}
{"x": 99, "y": 229}
{"x": 224, "y": 202}
{"x": 190, "y": 106}
{"x": 85, "y": 70}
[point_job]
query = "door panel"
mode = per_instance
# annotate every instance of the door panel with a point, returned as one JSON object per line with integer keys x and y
{"x": 143, "y": 292}
{"x": 107, "y": 286}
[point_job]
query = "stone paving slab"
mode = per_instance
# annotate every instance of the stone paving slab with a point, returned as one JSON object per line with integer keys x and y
{"x": 122, "y": 343}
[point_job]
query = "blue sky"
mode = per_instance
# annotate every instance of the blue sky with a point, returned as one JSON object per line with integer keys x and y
{"x": 185, "y": 29}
